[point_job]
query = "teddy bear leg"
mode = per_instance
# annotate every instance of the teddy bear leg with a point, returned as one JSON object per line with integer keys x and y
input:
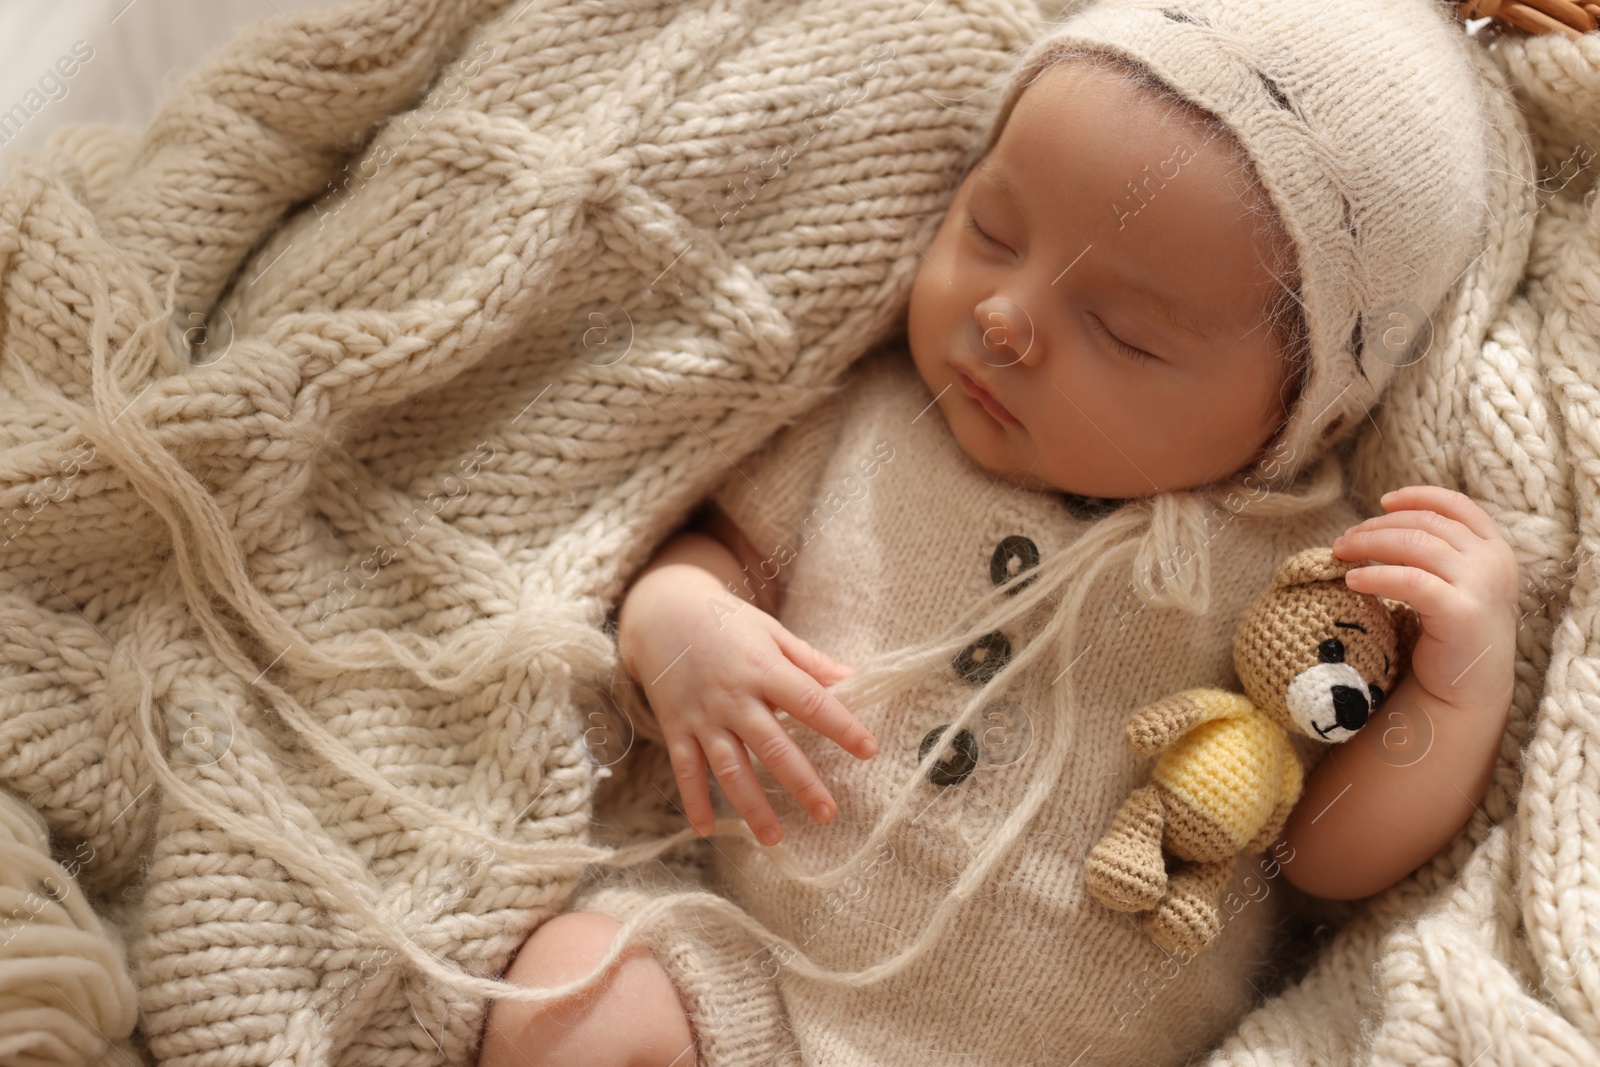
{"x": 1126, "y": 871}
{"x": 1189, "y": 917}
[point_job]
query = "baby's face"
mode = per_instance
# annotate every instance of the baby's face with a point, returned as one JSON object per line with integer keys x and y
{"x": 1074, "y": 271}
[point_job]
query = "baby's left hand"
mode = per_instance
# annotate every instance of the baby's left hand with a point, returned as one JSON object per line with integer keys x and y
{"x": 1443, "y": 555}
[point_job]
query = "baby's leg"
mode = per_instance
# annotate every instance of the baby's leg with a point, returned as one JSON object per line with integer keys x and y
{"x": 630, "y": 1018}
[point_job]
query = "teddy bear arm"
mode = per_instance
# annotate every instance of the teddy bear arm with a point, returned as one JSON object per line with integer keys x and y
{"x": 1154, "y": 727}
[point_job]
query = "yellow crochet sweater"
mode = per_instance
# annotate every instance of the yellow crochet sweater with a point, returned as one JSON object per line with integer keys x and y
{"x": 1235, "y": 739}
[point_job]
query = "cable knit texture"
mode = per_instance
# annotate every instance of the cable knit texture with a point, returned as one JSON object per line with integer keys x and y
{"x": 65, "y": 996}
{"x": 338, "y": 404}
{"x": 319, "y": 469}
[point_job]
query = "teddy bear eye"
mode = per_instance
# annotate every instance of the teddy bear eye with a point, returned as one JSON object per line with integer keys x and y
{"x": 1377, "y": 693}
{"x": 1331, "y": 651}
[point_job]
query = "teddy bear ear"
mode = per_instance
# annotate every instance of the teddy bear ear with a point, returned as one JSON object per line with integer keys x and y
{"x": 1310, "y": 565}
{"x": 1407, "y": 628}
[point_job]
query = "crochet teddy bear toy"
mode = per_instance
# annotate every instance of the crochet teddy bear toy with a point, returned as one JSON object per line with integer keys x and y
{"x": 1313, "y": 656}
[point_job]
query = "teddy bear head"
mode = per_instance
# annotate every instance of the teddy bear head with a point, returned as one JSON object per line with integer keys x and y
{"x": 1317, "y": 655}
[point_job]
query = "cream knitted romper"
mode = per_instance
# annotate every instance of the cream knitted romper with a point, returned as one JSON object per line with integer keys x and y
{"x": 893, "y": 528}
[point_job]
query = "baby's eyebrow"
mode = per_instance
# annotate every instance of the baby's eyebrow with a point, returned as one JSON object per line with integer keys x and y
{"x": 1177, "y": 317}
{"x": 990, "y": 172}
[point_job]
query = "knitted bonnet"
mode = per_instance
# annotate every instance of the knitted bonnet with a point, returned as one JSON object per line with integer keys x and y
{"x": 1364, "y": 122}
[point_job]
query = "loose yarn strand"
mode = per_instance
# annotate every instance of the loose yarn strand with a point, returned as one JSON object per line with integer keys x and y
{"x": 334, "y": 884}
{"x": 184, "y": 506}
{"x": 1065, "y": 582}
{"x": 202, "y": 538}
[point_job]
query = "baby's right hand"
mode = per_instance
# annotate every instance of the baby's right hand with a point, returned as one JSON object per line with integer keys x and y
{"x": 710, "y": 676}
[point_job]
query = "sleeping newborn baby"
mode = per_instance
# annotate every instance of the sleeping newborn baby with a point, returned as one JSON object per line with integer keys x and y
{"x": 905, "y": 636}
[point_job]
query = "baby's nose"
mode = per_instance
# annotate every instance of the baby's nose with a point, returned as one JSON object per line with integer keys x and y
{"x": 1000, "y": 332}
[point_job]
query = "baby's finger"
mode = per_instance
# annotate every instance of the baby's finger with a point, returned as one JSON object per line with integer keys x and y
{"x": 1430, "y": 595}
{"x": 807, "y": 657}
{"x": 777, "y": 751}
{"x": 689, "y": 768}
{"x": 799, "y": 694}
{"x": 1458, "y": 506}
{"x": 1404, "y": 546}
{"x": 1457, "y": 534}
{"x": 731, "y": 764}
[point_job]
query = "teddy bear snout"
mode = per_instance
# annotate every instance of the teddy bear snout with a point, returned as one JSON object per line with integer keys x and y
{"x": 1350, "y": 707}
{"x": 1329, "y": 701}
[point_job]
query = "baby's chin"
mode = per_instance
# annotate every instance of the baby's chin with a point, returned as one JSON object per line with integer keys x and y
{"x": 1027, "y": 476}
{"x": 1088, "y": 490}
{"x": 1081, "y": 485}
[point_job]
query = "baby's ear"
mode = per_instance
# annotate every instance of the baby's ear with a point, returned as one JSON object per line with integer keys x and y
{"x": 1407, "y": 628}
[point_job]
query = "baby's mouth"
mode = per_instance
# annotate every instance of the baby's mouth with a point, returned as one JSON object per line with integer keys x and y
{"x": 984, "y": 397}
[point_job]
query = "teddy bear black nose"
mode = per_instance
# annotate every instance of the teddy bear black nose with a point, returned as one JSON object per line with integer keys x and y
{"x": 1349, "y": 707}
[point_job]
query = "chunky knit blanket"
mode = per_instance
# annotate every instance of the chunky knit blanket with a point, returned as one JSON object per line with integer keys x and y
{"x": 337, "y": 407}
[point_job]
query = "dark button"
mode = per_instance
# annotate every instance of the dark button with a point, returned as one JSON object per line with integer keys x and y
{"x": 983, "y": 659}
{"x": 1090, "y": 507}
{"x": 1011, "y": 557}
{"x": 955, "y": 767}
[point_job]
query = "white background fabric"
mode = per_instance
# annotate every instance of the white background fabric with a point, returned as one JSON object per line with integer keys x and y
{"x": 139, "y": 49}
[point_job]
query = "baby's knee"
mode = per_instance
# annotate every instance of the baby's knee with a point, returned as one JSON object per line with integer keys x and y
{"x": 630, "y": 1017}
{"x": 564, "y": 947}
